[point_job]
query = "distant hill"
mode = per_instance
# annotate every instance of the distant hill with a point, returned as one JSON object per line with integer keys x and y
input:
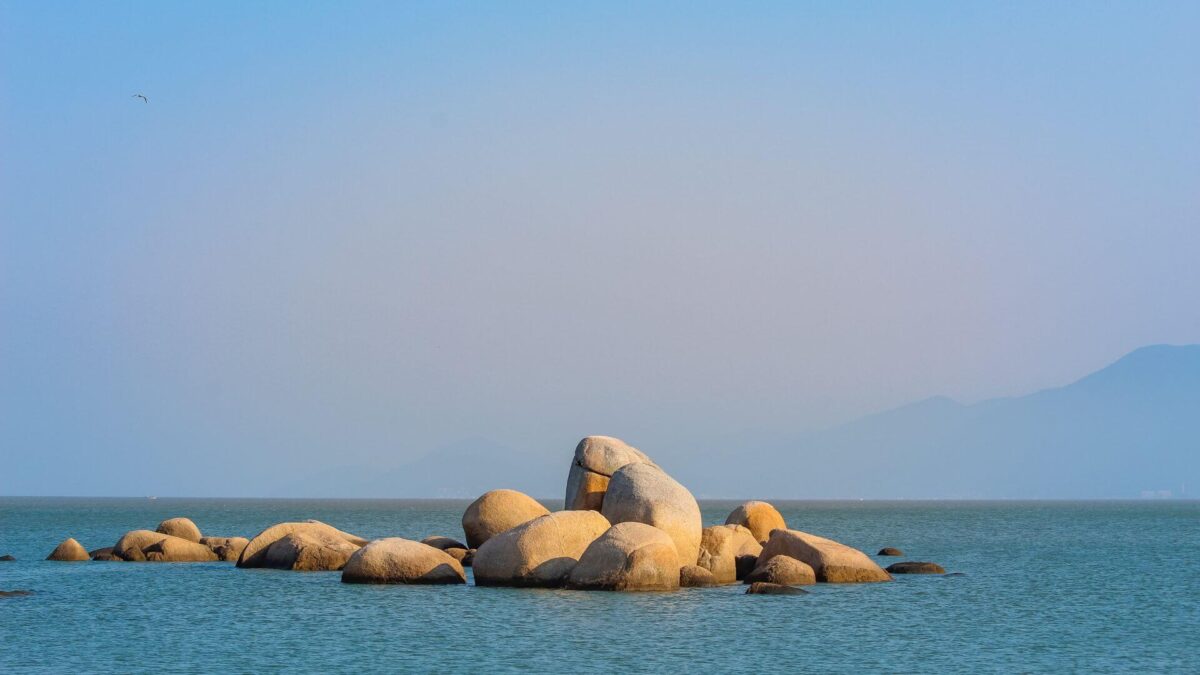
{"x": 1131, "y": 427}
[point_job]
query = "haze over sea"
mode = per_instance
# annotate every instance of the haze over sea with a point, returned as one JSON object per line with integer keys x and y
{"x": 1048, "y": 587}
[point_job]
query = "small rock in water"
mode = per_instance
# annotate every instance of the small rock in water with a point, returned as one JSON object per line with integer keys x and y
{"x": 955, "y": 574}
{"x": 783, "y": 570}
{"x": 916, "y": 568}
{"x": 6, "y": 558}
{"x": 765, "y": 588}
{"x": 694, "y": 576}
{"x": 68, "y": 551}
{"x": 13, "y": 594}
{"x": 889, "y": 551}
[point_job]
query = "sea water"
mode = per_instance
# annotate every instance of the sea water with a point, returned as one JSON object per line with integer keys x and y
{"x": 1047, "y": 586}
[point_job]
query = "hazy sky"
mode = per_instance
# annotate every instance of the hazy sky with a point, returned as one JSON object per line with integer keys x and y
{"x": 345, "y": 236}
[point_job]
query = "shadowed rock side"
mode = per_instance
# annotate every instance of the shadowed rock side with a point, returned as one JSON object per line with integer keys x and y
{"x": 69, "y": 551}
{"x": 782, "y": 569}
{"x": 914, "y": 567}
{"x": 147, "y": 546}
{"x": 765, "y": 588}
{"x": 630, "y": 556}
{"x": 832, "y": 562}
{"x": 644, "y": 493}
{"x": 255, "y": 552}
{"x": 402, "y": 561}
{"x": 889, "y": 551}
{"x": 539, "y": 553}
{"x": 694, "y": 576}
{"x": 103, "y": 554}
{"x": 758, "y": 517}
{"x": 596, "y": 459}
{"x": 183, "y": 528}
{"x": 720, "y": 546}
{"x": 498, "y": 511}
{"x": 228, "y": 549}
{"x": 309, "y": 551}
{"x": 443, "y": 543}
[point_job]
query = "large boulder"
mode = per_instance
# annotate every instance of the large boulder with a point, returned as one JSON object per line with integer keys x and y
{"x": 352, "y": 538}
{"x": 783, "y": 569}
{"x": 831, "y": 562}
{"x": 69, "y": 551}
{"x": 309, "y": 551}
{"x": 720, "y": 546}
{"x": 913, "y": 567}
{"x": 402, "y": 561}
{"x": 644, "y": 493}
{"x": 596, "y": 459}
{"x": 183, "y": 528}
{"x": 759, "y": 517}
{"x": 630, "y": 556}
{"x": 228, "y": 549}
{"x": 498, "y": 511}
{"x": 539, "y": 553}
{"x": 147, "y": 546}
{"x": 255, "y": 552}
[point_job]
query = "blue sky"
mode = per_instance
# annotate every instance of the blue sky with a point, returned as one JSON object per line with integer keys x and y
{"x": 351, "y": 235}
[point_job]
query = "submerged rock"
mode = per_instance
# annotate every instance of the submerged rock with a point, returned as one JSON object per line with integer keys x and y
{"x": 402, "y": 561}
{"x": 183, "y": 528}
{"x": 915, "y": 568}
{"x": 6, "y": 558}
{"x": 782, "y": 569}
{"x": 644, "y": 493}
{"x": 630, "y": 556}
{"x": 764, "y": 588}
{"x": 695, "y": 576}
{"x": 720, "y": 546}
{"x": 15, "y": 594}
{"x": 68, "y": 551}
{"x": 758, "y": 517}
{"x": 255, "y": 552}
{"x": 596, "y": 459}
{"x": 833, "y": 562}
{"x": 889, "y": 551}
{"x": 955, "y": 574}
{"x": 498, "y": 511}
{"x": 539, "y": 553}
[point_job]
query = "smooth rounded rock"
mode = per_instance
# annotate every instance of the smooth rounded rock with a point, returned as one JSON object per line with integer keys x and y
{"x": 183, "y": 528}
{"x": 443, "y": 543}
{"x": 69, "y": 551}
{"x": 695, "y": 576}
{"x": 889, "y": 551}
{"x": 539, "y": 553}
{"x": 644, "y": 493}
{"x": 176, "y": 549}
{"x": 596, "y": 459}
{"x": 913, "y": 567}
{"x": 759, "y": 517}
{"x": 255, "y": 551}
{"x": 764, "y": 588}
{"x": 785, "y": 570}
{"x": 228, "y": 549}
{"x": 402, "y": 561}
{"x": 630, "y": 556}
{"x": 308, "y": 551}
{"x": 498, "y": 511}
{"x": 832, "y": 562}
{"x": 720, "y": 546}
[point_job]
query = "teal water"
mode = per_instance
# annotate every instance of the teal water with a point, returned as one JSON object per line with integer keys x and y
{"x": 1048, "y": 586}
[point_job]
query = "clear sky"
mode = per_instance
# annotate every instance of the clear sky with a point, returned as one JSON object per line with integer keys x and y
{"x": 352, "y": 235}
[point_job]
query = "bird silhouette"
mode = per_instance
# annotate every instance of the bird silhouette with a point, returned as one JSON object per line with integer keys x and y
{"x": 141, "y": 96}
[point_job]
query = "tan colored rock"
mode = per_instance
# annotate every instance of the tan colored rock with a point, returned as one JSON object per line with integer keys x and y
{"x": 68, "y": 551}
{"x": 694, "y": 576}
{"x": 596, "y": 459}
{"x": 309, "y": 551}
{"x": 913, "y": 567}
{"x": 459, "y": 554}
{"x": 352, "y": 538}
{"x": 783, "y": 569}
{"x": 103, "y": 554}
{"x": 138, "y": 545}
{"x": 402, "y": 561}
{"x": 228, "y": 549}
{"x": 890, "y": 551}
{"x": 183, "y": 528}
{"x": 498, "y": 511}
{"x": 644, "y": 493}
{"x": 765, "y": 588}
{"x": 720, "y": 546}
{"x": 831, "y": 561}
{"x": 630, "y": 556}
{"x": 539, "y": 553}
{"x": 254, "y": 554}
{"x": 759, "y": 517}
{"x": 443, "y": 543}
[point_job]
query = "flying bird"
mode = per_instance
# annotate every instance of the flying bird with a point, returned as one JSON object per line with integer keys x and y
{"x": 141, "y": 96}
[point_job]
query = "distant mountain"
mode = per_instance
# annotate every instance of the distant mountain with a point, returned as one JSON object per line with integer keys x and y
{"x": 1130, "y": 428}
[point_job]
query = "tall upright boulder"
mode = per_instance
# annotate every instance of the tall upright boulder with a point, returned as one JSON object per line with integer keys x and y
{"x": 69, "y": 551}
{"x": 539, "y": 553}
{"x": 183, "y": 528}
{"x": 759, "y": 517}
{"x": 832, "y": 562}
{"x": 630, "y": 556}
{"x": 644, "y": 493}
{"x": 498, "y": 511}
{"x": 596, "y": 459}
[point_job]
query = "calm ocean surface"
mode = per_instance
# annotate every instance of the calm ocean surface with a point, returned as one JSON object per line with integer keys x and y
{"x": 1049, "y": 586}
